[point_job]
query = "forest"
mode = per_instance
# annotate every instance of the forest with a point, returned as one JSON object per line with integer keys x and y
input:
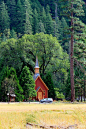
{"x": 46, "y": 29}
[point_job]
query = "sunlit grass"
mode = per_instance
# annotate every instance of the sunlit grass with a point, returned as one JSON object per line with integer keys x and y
{"x": 15, "y": 116}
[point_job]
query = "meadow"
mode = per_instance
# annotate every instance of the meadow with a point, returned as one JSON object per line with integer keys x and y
{"x": 16, "y": 115}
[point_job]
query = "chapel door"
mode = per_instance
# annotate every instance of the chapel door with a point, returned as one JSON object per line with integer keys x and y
{"x": 39, "y": 95}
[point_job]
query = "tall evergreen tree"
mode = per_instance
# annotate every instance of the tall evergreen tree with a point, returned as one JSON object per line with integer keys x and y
{"x": 41, "y": 27}
{"x": 51, "y": 3}
{"x": 14, "y": 85}
{"x": 27, "y": 17}
{"x": 35, "y": 21}
{"x": 58, "y": 24}
{"x": 73, "y": 9}
{"x": 55, "y": 31}
{"x": 27, "y": 83}
{"x": 49, "y": 22}
{"x": 4, "y": 18}
{"x": 19, "y": 17}
{"x": 43, "y": 17}
{"x": 64, "y": 35}
{"x": 83, "y": 18}
{"x": 28, "y": 27}
{"x": 35, "y": 4}
{"x": 11, "y": 4}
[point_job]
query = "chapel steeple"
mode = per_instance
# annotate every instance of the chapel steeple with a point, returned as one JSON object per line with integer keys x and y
{"x": 36, "y": 66}
{"x": 36, "y": 69}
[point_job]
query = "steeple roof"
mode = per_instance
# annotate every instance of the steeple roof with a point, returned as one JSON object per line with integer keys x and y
{"x": 36, "y": 64}
{"x": 36, "y": 69}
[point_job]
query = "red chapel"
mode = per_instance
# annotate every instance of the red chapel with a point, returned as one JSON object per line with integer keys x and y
{"x": 41, "y": 88}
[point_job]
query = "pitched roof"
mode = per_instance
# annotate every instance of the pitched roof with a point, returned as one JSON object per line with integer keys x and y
{"x": 12, "y": 95}
{"x": 42, "y": 82}
{"x": 38, "y": 89}
{"x": 36, "y": 75}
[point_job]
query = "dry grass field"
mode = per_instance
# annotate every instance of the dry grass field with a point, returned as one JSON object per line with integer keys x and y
{"x": 15, "y": 116}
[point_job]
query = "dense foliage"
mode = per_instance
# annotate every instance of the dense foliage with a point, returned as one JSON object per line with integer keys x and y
{"x": 40, "y": 27}
{"x": 28, "y": 84}
{"x": 9, "y": 83}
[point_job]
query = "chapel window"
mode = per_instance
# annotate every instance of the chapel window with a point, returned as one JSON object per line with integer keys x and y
{"x": 43, "y": 92}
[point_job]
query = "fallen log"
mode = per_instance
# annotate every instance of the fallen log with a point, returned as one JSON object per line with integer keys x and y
{"x": 33, "y": 126}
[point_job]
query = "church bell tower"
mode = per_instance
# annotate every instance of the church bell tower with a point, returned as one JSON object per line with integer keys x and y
{"x": 36, "y": 66}
{"x": 36, "y": 69}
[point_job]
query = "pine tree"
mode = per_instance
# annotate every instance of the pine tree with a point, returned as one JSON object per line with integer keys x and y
{"x": 28, "y": 27}
{"x": 35, "y": 22}
{"x": 51, "y": 3}
{"x": 11, "y": 4}
{"x": 4, "y": 18}
{"x": 35, "y": 4}
{"x": 14, "y": 85}
{"x": 27, "y": 17}
{"x": 27, "y": 83}
{"x": 19, "y": 17}
{"x": 41, "y": 27}
{"x": 49, "y": 22}
{"x": 55, "y": 31}
{"x": 43, "y": 17}
{"x": 64, "y": 35}
{"x": 83, "y": 18}
{"x": 58, "y": 24}
{"x": 73, "y": 9}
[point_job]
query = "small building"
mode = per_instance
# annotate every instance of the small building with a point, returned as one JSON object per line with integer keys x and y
{"x": 41, "y": 88}
{"x": 12, "y": 97}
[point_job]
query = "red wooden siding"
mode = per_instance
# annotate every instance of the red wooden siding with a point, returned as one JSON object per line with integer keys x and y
{"x": 39, "y": 83}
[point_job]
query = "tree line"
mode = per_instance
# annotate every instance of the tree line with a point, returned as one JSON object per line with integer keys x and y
{"x": 30, "y": 17}
{"x": 18, "y": 54}
{"x": 42, "y": 21}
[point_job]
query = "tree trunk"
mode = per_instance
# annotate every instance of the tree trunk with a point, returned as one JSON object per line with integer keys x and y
{"x": 71, "y": 59}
